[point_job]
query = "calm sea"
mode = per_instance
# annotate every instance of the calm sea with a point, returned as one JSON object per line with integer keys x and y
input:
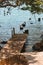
{"x": 15, "y": 19}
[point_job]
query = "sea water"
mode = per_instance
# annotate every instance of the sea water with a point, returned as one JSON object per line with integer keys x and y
{"x": 15, "y": 19}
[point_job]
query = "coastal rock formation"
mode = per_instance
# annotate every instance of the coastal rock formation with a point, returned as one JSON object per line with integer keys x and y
{"x": 24, "y": 24}
{"x": 3, "y": 42}
{"x": 38, "y": 46}
{"x": 14, "y": 60}
{"x": 39, "y": 19}
{"x": 41, "y": 36}
{"x": 26, "y": 31}
{"x": 0, "y": 47}
{"x": 21, "y": 27}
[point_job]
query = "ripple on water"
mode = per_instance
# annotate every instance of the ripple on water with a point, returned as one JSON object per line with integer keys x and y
{"x": 35, "y": 30}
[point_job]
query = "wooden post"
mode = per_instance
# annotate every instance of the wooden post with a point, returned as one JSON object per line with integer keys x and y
{"x": 13, "y": 32}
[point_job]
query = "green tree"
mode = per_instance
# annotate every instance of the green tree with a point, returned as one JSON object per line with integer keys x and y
{"x": 35, "y": 6}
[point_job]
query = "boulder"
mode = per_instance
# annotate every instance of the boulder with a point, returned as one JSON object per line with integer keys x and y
{"x": 29, "y": 18}
{"x": 38, "y": 46}
{"x": 3, "y": 42}
{"x": 0, "y": 47}
{"x": 13, "y": 60}
{"x": 31, "y": 23}
{"x": 26, "y": 31}
{"x": 24, "y": 24}
{"x": 41, "y": 36}
{"x": 39, "y": 19}
{"x": 21, "y": 27}
{"x": 41, "y": 41}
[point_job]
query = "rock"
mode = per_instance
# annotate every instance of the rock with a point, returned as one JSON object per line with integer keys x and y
{"x": 0, "y": 47}
{"x": 24, "y": 24}
{"x": 21, "y": 27}
{"x": 26, "y": 32}
{"x": 3, "y": 42}
{"x": 16, "y": 64}
{"x": 31, "y": 23}
{"x": 41, "y": 36}
{"x": 29, "y": 18}
{"x": 39, "y": 19}
{"x": 38, "y": 46}
{"x": 41, "y": 41}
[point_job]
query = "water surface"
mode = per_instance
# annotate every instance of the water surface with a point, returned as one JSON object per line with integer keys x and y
{"x": 15, "y": 19}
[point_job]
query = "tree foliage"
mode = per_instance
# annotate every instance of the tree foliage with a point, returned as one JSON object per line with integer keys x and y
{"x": 31, "y": 5}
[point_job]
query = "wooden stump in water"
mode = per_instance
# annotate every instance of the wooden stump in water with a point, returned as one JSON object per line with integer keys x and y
{"x": 41, "y": 36}
{"x": 29, "y": 18}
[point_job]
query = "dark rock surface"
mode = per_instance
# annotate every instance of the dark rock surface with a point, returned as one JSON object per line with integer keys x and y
{"x": 26, "y": 31}
{"x": 31, "y": 23}
{"x": 3, "y": 42}
{"x": 24, "y": 24}
{"x": 41, "y": 36}
{"x": 0, "y": 47}
{"x": 38, "y": 46}
{"x": 21, "y": 27}
{"x": 39, "y": 19}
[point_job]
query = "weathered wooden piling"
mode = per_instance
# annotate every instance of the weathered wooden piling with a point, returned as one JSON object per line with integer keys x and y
{"x": 13, "y": 32}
